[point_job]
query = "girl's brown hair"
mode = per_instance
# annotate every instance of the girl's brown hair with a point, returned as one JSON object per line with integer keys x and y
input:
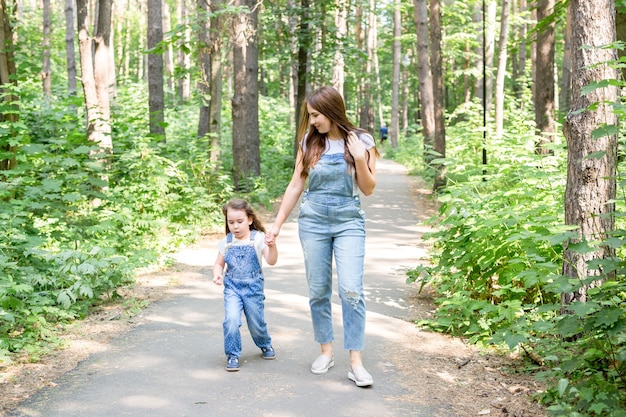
{"x": 240, "y": 204}
{"x": 328, "y": 102}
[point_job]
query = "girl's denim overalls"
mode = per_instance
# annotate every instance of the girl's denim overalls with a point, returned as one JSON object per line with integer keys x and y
{"x": 243, "y": 292}
{"x": 331, "y": 221}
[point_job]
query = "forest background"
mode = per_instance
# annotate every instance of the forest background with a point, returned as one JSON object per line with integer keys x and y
{"x": 125, "y": 126}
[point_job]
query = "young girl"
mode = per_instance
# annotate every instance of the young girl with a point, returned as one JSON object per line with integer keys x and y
{"x": 240, "y": 254}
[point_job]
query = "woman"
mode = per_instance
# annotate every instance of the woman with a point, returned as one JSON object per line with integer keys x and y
{"x": 338, "y": 160}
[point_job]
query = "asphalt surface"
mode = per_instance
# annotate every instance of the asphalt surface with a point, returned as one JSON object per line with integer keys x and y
{"x": 171, "y": 363}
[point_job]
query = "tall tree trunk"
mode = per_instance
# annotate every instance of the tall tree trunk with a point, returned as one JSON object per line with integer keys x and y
{"x": 183, "y": 89}
{"x": 544, "y": 78}
{"x": 341, "y": 15}
{"x": 479, "y": 50}
{"x": 490, "y": 50}
{"x": 620, "y": 32}
{"x": 168, "y": 53}
{"x": 303, "y": 48}
{"x": 437, "y": 72}
{"x": 156, "y": 98}
{"x": 70, "y": 52}
{"x": 87, "y": 73}
{"x": 245, "y": 102}
{"x": 397, "y": 52}
{"x": 566, "y": 68}
{"x": 379, "y": 102}
{"x": 293, "y": 62}
{"x": 591, "y": 182}
{"x": 210, "y": 85}
{"x": 8, "y": 100}
{"x": 103, "y": 67}
{"x": 502, "y": 58}
{"x": 203, "y": 21}
{"x": 215, "y": 102}
{"x": 46, "y": 72}
{"x": 425, "y": 78}
{"x": 367, "y": 106}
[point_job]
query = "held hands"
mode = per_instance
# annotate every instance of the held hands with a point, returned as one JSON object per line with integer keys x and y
{"x": 355, "y": 146}
{"x": 271, "y": 235}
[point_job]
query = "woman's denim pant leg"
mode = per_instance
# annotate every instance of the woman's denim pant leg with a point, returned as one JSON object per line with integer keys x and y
{"x": 317, "y": 249}
{"x": 349, "y": 256}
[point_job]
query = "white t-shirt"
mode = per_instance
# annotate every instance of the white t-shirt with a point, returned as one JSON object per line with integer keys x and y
{"x": 259, "y": 245}
{"x": 337, "y": 146}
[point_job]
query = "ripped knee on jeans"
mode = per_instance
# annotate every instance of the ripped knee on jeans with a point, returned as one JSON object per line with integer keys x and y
{"x": 352, "y": 297}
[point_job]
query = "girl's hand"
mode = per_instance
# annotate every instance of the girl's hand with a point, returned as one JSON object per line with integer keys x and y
{"x": 218, "y": 279}
{"x": 355, "y": 146}
{"x": 271, "y": 235}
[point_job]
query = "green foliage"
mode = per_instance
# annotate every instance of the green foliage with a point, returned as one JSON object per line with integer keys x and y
{"x": 497, "y": 258}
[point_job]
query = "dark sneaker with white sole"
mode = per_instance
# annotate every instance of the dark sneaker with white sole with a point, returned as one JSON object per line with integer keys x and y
{"x": 268, "y": 353}
{"x": 232, "y": 364}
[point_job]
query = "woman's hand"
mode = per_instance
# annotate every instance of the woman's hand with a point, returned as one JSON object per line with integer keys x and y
{"x": 356, "y": 146}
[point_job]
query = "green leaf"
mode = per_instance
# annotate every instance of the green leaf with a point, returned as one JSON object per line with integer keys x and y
{"x": 562, "y": 386}
{"x": 602, "y": 131}
{"x": 512, "y": 340}
{"x": 569, "y": 326}
{"x": 608, "y": 316}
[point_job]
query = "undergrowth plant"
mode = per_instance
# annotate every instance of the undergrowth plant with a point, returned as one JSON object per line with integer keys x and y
{"x": 496, "y": 266}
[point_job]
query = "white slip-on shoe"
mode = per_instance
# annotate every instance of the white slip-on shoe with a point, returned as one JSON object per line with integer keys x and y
{"x": 322, "y": 364}
{"x": 360, "y": 376}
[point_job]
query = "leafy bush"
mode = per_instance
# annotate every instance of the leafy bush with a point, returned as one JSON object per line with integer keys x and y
{"x": 496, "y": 264}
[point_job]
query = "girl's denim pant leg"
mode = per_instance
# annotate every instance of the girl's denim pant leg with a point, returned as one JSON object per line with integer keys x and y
{"x": 342, "y": 234}
{"x": 248, "y": 298}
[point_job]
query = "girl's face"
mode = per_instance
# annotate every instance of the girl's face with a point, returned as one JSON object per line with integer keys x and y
{"x": 238, "y": 223}
{"x": 319, "y": 121}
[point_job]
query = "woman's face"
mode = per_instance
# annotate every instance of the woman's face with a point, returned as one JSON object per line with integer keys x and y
{"x": 318, "y": 120}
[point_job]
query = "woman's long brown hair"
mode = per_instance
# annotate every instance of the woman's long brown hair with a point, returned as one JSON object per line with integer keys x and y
{"x": 328, "y": 102}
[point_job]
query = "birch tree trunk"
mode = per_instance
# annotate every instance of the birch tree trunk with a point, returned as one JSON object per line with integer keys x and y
{"x": 591, "y": 179}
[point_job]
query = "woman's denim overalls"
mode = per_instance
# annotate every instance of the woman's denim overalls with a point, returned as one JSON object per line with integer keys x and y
{"x": 243, "y": 291}
{"x": 331, "y": 221}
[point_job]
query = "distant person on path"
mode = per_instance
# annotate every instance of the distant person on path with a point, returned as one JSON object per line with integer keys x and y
{"x": 338, "y": 159}
{"x": 240, "y": 254}
{"x": 384, "y": 131}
